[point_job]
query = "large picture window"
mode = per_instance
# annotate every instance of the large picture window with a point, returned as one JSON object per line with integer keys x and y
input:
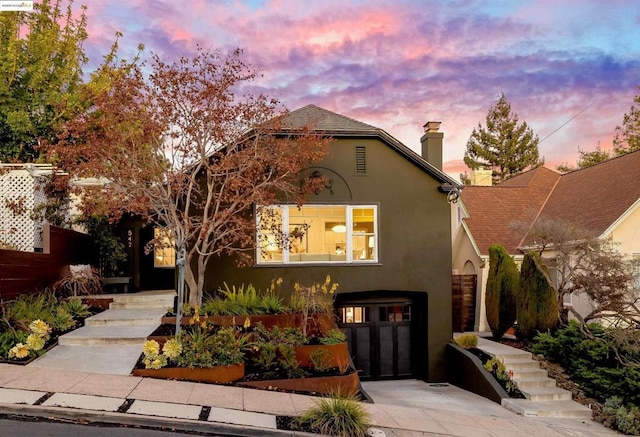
{"x": 318, "y": 234}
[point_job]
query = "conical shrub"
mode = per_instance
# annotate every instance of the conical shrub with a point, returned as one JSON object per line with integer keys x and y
{"x": 502, "y": 288}
{"x": 537, "y": 299}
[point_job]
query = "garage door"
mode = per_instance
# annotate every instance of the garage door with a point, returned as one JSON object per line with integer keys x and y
{"x": 379, "y": 336}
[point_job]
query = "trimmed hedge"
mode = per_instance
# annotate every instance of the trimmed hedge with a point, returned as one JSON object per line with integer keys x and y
{"x": 502, "y": 288}
{"x": 537, "y": 298}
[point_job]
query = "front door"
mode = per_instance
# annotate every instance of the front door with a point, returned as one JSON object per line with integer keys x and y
{"x": 379, "y": 336}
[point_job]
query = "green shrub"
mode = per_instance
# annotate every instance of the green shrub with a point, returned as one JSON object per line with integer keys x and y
{"x": 502, "y": 289}
{"x": 591, "y": 362}
{"x": 537, "y": 302}
{"x": 333, "y": 336}
{"x": 320, "y": 360}
{"x": 616, "y": 415}
{"x": 75, "y": 307}
{"x": 466, "y": 341}
{"x": 337, "y": 416}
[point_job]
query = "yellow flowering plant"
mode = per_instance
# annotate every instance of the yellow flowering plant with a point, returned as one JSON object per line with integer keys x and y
{"x": 20, "y": 350}
{"x": 34, "y": 343}
{"x": 172, "y": 348}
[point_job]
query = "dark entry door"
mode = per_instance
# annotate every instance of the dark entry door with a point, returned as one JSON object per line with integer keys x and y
{"x": 379, "y": 336}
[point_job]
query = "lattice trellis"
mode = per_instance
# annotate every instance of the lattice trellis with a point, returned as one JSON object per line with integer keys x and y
{"x": 24, "y": 188}
{"x": 16, "y": 227}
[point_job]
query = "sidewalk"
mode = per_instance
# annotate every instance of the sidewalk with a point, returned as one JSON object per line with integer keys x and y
{"x": 401, "y": 408}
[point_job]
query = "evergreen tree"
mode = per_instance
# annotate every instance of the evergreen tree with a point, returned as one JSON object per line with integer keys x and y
{"x": 505, "y": 145}
{"x": 537, "y": 298}
{"x": 502, "y": 289}
{"x": 586, "y": 159}
{"x": 627, "y": 137}
{"x": 41, "y": 59}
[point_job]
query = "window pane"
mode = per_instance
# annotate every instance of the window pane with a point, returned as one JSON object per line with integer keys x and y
{"x": 164, "y": 251}
{"x": 355, "y": 314}
{"x": 395, "y": 313}
{"x": 325, "y": 235}
{"x": 270, "y": 228}
{"x": 363, "y": 243}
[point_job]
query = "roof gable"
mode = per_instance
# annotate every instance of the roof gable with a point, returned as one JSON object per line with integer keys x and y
{"x": 340, "y": 126}
{"x": 502, "y": 214}
{"x": 593, "y": 198}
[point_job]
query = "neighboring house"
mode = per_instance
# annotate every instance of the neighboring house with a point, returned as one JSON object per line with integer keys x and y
{"x": 381, "y": 230}
{"x": 604, "y": 198}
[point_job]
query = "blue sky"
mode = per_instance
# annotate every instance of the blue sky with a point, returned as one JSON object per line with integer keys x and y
{"x": 399, "y": 63}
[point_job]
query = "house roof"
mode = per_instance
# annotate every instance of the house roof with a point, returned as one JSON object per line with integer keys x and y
{"x": 340, "y": 126}
{"x": 593, "y": 198}
{"x": 503, "y": 213}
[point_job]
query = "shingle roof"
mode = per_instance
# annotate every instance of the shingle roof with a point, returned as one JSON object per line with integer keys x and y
{"x": 340, "y": 126}
{"x": 325, "y": 120}
{"x": 593, "y": 198}
{"x": 502, "y": 214}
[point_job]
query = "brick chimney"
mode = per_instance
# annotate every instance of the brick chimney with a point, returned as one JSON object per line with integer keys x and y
{"x": 432, "y": 144}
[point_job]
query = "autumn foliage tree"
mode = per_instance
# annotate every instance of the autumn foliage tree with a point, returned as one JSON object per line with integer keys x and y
{"x": 186, "y": 149}
{"x": 505, "y": 145}
{"x": 502, "y": 289}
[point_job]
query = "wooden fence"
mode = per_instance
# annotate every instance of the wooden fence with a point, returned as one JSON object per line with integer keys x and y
{"x": 27, "y": 272}
{"x": 464, "y": 302}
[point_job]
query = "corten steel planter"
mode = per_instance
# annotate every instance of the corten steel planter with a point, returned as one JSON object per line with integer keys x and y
{"x": 217, "y": 374}
{"x": 98, "y": 302}
{"x": 347, "y": 385}
{"x": 336, "y": 355}
{"x": 317, "y": 324}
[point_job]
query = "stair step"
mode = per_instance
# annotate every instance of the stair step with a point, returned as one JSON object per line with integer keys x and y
{"x": 96, "y": 335}
{"x": 558, "y": 409}
{"x": 547, "y": 394}
{"x": 520, "y": 364}
{"x": 525, "y": 383}
{"x": 529, "y": 374}
{"x": 141, "y": 304}
{"x": 126, "y": 316}
{"x": 136, "y": 297}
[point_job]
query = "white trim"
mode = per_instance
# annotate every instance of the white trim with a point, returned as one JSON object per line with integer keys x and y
{"x": 349, "y": 235}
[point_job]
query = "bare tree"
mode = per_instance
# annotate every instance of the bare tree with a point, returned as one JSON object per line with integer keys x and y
{"x": 587, "y": 265}
{"x": 186, "y": 149}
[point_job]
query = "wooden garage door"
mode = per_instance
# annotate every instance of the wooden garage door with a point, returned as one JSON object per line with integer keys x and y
{"x": 379, "y": 336}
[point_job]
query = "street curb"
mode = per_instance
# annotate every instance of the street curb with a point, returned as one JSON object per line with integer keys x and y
{"x": 154, "y": 422}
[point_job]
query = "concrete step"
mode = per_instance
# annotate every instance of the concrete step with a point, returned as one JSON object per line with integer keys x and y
{"x": 140, "y": 297}
{"x": 529, "y": 374}
{"x": 126, "y": 316}
{"x": 101, "y": 335}
{"x": 141, "y": 304}
{"x": 546, "y": 394}
{"x": 558, "y": 409}
{"x": 526, "y": 383}
{"x": 522, "y": 364}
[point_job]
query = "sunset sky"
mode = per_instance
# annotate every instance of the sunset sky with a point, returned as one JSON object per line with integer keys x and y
{"x": 397, "y": 64}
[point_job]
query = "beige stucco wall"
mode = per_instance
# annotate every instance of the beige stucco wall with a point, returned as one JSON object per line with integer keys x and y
{"x": 626, "y": 234}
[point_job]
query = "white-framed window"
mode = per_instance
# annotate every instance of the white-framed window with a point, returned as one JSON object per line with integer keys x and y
{"x": 327, "y": 234}
{"x": 164, "y": 250}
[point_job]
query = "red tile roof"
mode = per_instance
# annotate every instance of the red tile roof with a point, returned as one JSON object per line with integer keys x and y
{"x": 593, "y": 198}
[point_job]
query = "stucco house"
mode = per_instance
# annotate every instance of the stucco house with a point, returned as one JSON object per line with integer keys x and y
{"x": 604, "y": 198}
{"x": 381, "y": 230}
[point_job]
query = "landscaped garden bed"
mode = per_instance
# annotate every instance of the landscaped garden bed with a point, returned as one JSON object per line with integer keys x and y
{"x": 31, "y": 324}
{"x": 299, "y": 349}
